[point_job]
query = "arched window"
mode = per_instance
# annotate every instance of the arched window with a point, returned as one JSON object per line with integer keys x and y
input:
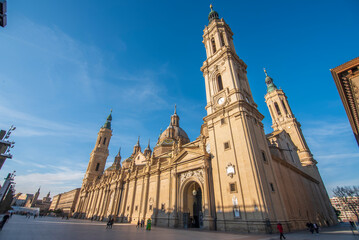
{"x": 222, "y": 39}
{"x": 277, "y": 108}
{"x": 97, "y": 166}
{"x": 213, "y": 45}
{"x": 219, "y": 82}
{"x": 104, "y": 141}
{"x": 99, "y": 141}
{"x": 285, "y": 108}
{"x": 270, "y": 110}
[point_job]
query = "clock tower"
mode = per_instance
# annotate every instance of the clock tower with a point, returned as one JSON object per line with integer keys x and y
{"x": 100, "y": 152}
{"x": 243, "y": 179}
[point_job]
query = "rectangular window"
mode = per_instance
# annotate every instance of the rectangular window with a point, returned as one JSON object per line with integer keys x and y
{"x": 233, "y": 187}
{"x": 97, "y": 166}
{"x": 272, "y": 187}
{"x": 223, "y": 121}
{"x": 226, "y": 145}
{"x": 150, "y": 207}
{"x": 136, "y": 208}
{"x": 128, "y": 208}
{"x": 264, "y": 156}
{"x": 162, "y": 207}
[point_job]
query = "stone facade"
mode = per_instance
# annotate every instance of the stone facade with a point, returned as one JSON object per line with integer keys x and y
{"x": 346, "y": 77}
{"x": 66, "y": 201}
{"x": 232, "y": 177}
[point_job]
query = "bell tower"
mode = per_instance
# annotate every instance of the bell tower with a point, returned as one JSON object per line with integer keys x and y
{"x": 283, "y": 119}
{"x": 100, "y": 152}
{"x": 242, "y": 178}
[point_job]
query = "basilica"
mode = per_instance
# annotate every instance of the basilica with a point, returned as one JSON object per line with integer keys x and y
{"x": 232, "y": 177}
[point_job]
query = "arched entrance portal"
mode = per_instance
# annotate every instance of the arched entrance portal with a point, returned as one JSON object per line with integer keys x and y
{"x": 192, "y": 206}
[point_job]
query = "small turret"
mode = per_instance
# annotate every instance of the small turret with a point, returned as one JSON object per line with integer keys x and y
{"x": 175, "y": 118}
{"x": 137, "y": 147}
{"x": 117, "y": 162}
{"x": 148, "y": 150}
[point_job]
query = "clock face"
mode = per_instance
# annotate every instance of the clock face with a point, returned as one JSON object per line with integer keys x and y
{"x": 230, "y": 170}
{"x": 220, "y": 101}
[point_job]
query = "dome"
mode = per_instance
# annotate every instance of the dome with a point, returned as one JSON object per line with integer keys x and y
{"x": 177, "y": 133}
{"x": 173, "y": 132}
{"x": 212, "y": 15}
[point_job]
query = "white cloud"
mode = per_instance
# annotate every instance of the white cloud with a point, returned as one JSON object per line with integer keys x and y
{"x": 63, "y": 179}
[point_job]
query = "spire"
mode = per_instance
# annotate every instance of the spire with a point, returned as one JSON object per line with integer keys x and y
{"x": 48, "y": 195}
{"x": 38, "y": 191}
{"x": 117, "y": 163}
{"x": 148, "y": 146}
{"x": 119, "y": 153}
{"x": 137, "y": 147}
{"x": 138, "y": 142}
{"x": 175, "y": 118}
{"x": 108, "y": 121}
{"x": 269, "y": 81}
{"x": 212, "y": 15}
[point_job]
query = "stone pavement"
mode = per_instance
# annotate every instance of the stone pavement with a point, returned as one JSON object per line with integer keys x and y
{"x": 50, "y": 228}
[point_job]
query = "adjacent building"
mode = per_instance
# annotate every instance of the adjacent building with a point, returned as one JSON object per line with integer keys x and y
{"x": 346, "y": 215}
{"x": 231, "y": 177}
{"x": 346, "y": 77}
{"x": 66, "y": 201}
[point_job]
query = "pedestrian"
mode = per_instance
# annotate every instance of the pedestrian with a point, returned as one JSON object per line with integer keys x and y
{"x": 280, "y": 230}
{"x": 111, "y": 222}
{"x": 316, "y": 228}
{"x": 310, "y": 227}
{"x": 4, "y": 220}
{"x": 108, "y": 225}
{"x": 149, "y": 222}
{"x": 142, "y": 223}
{"x": 138, "y": 224}
{"x": 91, "y": 218}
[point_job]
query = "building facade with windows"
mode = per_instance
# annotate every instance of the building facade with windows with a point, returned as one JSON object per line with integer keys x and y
{"x": 346, "y": 214}
{"x": 66, "y": 201}
{"x": 231, "y": 177}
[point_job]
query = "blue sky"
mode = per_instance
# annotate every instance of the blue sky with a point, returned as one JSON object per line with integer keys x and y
{"x": 65, "y": 64}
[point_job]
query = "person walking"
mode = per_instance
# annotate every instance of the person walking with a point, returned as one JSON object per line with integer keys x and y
{"x": 316, "y": 228}
{"x": 4, "y": 220}
{"x": 109, "y": 224}
{"x": 149, "y": 222}
{"x": 310, "y": 227}
{"x": 280, "y": 230}
{"x": 142, "y": 223}
{"x": 138, "y": 224}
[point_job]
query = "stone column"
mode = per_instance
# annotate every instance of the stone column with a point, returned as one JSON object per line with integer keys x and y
{"x": 208, "y": 218}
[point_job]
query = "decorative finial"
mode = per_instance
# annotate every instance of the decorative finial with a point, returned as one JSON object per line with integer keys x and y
{"x": 211, "y": 7}
{"x": 265, "y": 71}
{"x": 138, "y": 140}
{"x": 175, "y": 109}
{"x": 148, "y": 143}
{"x": 111, "y": 110}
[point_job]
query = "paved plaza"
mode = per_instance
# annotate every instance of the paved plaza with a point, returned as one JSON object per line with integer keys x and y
{"x": 49, "y": 228}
